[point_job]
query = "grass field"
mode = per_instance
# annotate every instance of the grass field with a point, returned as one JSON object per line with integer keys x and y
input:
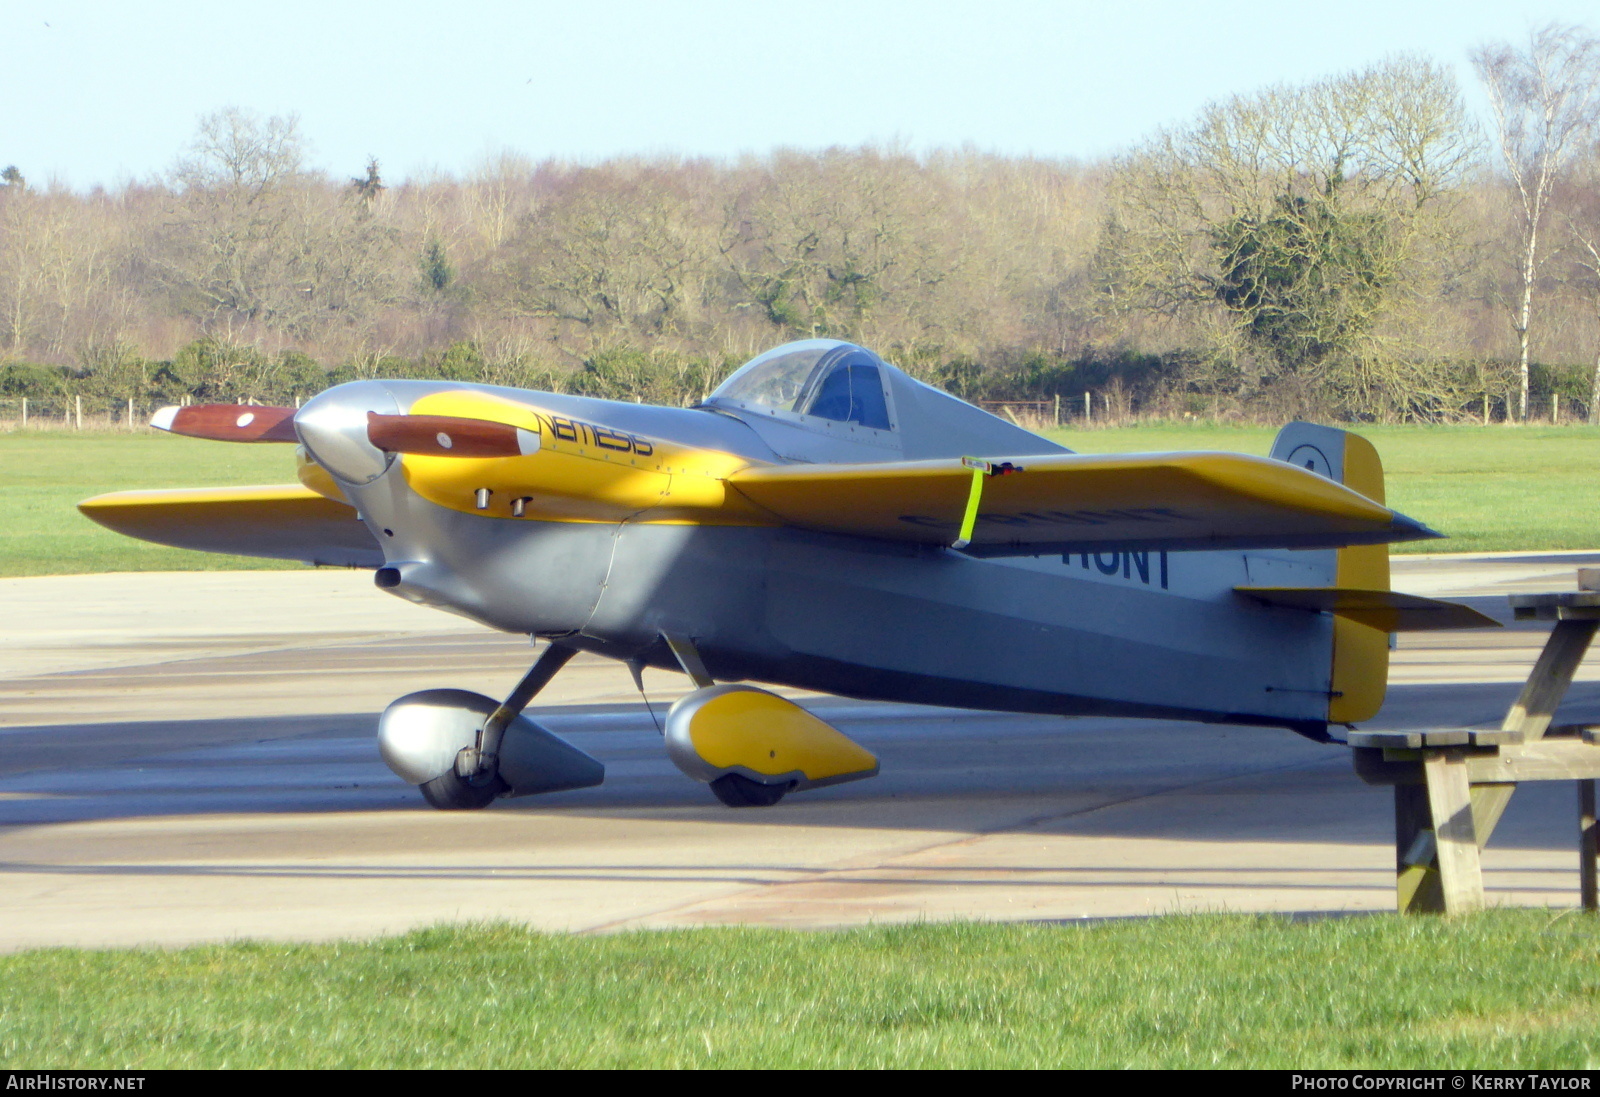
{"x": 1488, "y": 488}
{"x": 44, "y": 475}
{"x": 1504, "y": 990}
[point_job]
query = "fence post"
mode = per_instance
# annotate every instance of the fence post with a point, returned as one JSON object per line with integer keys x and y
{"x": 24, "y": 413}
{"x": 77, "y": 402}
{"x": 1088, "y": 408}
{"x": 1486, "y": 409}
{"x": 130, "y": 413}
{"x": 1555, "y": 409}
{"x": 1058, "y": 409}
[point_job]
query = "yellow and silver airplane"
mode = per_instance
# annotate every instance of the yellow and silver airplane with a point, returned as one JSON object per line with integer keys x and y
{"x": 826, "y": 522}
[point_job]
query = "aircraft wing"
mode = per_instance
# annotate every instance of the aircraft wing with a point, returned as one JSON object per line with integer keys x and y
{"x": 1081, "y": 502}
{"x": 284, "y": 522}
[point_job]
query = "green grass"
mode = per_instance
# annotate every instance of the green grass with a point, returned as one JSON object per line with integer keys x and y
{"x": 44, "y": 475}
{"x": 1489, "y": 489}
{"x": 1508, "y": 989}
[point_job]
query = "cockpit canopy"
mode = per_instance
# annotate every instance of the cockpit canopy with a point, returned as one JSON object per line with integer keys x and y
{"x": 816, "y": 378}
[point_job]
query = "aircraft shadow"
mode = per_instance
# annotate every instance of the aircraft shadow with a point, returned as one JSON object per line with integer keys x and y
{"x": 942, "y": 769}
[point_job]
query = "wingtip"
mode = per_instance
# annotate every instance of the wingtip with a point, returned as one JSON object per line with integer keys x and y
{"x": 1412, "y": 530}
{"x": 162, "y": 419}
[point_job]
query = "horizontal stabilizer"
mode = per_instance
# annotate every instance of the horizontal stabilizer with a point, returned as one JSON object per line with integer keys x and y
{"x": 1385, "y": 610}
{"x": 282, "y": 522}
{"x": 228, "y": 422}
{"x": 1073, "y": 502}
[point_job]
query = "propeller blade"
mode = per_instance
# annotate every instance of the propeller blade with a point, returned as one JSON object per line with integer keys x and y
{"x": 228, "y": 422}
{"x": 448, "y": 436}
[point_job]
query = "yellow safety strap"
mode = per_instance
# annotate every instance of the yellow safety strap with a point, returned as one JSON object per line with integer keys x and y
{"x": 980, "y": 469}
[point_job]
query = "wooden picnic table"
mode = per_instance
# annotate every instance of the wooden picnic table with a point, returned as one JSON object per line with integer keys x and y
{"x": 1451, "y": 785}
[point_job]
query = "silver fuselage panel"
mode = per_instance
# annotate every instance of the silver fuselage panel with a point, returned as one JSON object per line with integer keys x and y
{"x": 1130, "y": 633}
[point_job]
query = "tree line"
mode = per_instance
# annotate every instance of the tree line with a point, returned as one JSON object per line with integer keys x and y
{"x": 1357, "y": 247}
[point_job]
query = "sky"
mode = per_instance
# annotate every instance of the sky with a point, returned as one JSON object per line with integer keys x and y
{"x": 103, "y": 92}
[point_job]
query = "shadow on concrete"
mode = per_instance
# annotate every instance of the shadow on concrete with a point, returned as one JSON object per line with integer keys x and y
{"x": 942, "y": 769}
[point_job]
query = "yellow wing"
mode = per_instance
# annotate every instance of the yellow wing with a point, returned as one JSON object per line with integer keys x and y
{"x": 1067, "y": 502}
{"x": 284, "y": 522}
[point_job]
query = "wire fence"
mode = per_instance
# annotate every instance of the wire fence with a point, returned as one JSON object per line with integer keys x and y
{"x": 1093, "y": 410}
{"x": 1083, "y": 411}
{"x": 77, "y": 412}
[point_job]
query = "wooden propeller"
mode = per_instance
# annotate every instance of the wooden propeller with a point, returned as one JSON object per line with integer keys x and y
{"x": 229, "y": 422}
{"x": 448, "y": 436}
{"x": 432, "y": 435}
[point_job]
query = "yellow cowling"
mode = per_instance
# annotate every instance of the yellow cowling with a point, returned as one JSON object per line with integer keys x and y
{"x": 582, "y": 471}
{"x": 740, "y": 729}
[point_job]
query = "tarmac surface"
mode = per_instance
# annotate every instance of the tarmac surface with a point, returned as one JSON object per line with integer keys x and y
{"x": 190, "y": 757}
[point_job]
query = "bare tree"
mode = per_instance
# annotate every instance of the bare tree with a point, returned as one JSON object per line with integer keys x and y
{"x": 58, "y": 256}
{"x": 1581, "y": 204}
{"x": 616, "y": 253}
{"x": 1544, "y": 100}
{"x": 256, "y": 242}
{"x": 847, "y": 242}
{"x": 1588, "y": 261}
{"x": 229, "y": 252}
{"x": 1297, "y": 212}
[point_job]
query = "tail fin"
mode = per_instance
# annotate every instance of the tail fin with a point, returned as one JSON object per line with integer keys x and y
{"x": 1360, "y": 659}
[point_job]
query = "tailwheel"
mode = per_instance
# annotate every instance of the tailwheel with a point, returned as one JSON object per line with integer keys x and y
{"x": 738, "y": 791}
{"x": 448, "y": 792}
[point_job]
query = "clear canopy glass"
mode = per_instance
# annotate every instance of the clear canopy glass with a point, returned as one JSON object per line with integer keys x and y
{"x": 823, "y": 378}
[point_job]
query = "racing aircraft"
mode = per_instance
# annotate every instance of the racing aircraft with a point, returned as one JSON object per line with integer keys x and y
{"x": 821, "y": 521}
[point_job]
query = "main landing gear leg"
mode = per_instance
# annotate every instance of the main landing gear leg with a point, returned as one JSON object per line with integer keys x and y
{"x": 475, "y": 781}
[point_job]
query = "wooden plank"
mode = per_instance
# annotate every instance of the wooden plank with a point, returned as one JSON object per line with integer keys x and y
{"x": 1450, "y": 809}
{"x": 1417, "y": 889}
{"x": 1588, "y": 848}
{"x": 1562, "y": 606}
{"x": 1545, "y": 760}
{"x": 1558, "y": 613}
{"x": 1408, "y": 740}
{"x": 1433, "y": 737}
{"x": 1488, "y": 804}
{"x": 1552, "y": 674}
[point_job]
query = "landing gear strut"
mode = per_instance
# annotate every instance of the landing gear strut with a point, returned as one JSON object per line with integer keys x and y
{"x": 464, "y": 749}
{"x": 475, "y": 781}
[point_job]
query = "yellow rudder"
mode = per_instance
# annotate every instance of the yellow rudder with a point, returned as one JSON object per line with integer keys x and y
{"x": 1360, "y": 674}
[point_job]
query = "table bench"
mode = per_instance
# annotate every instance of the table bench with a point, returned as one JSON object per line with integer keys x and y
{"x": 1451, "y": 785}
